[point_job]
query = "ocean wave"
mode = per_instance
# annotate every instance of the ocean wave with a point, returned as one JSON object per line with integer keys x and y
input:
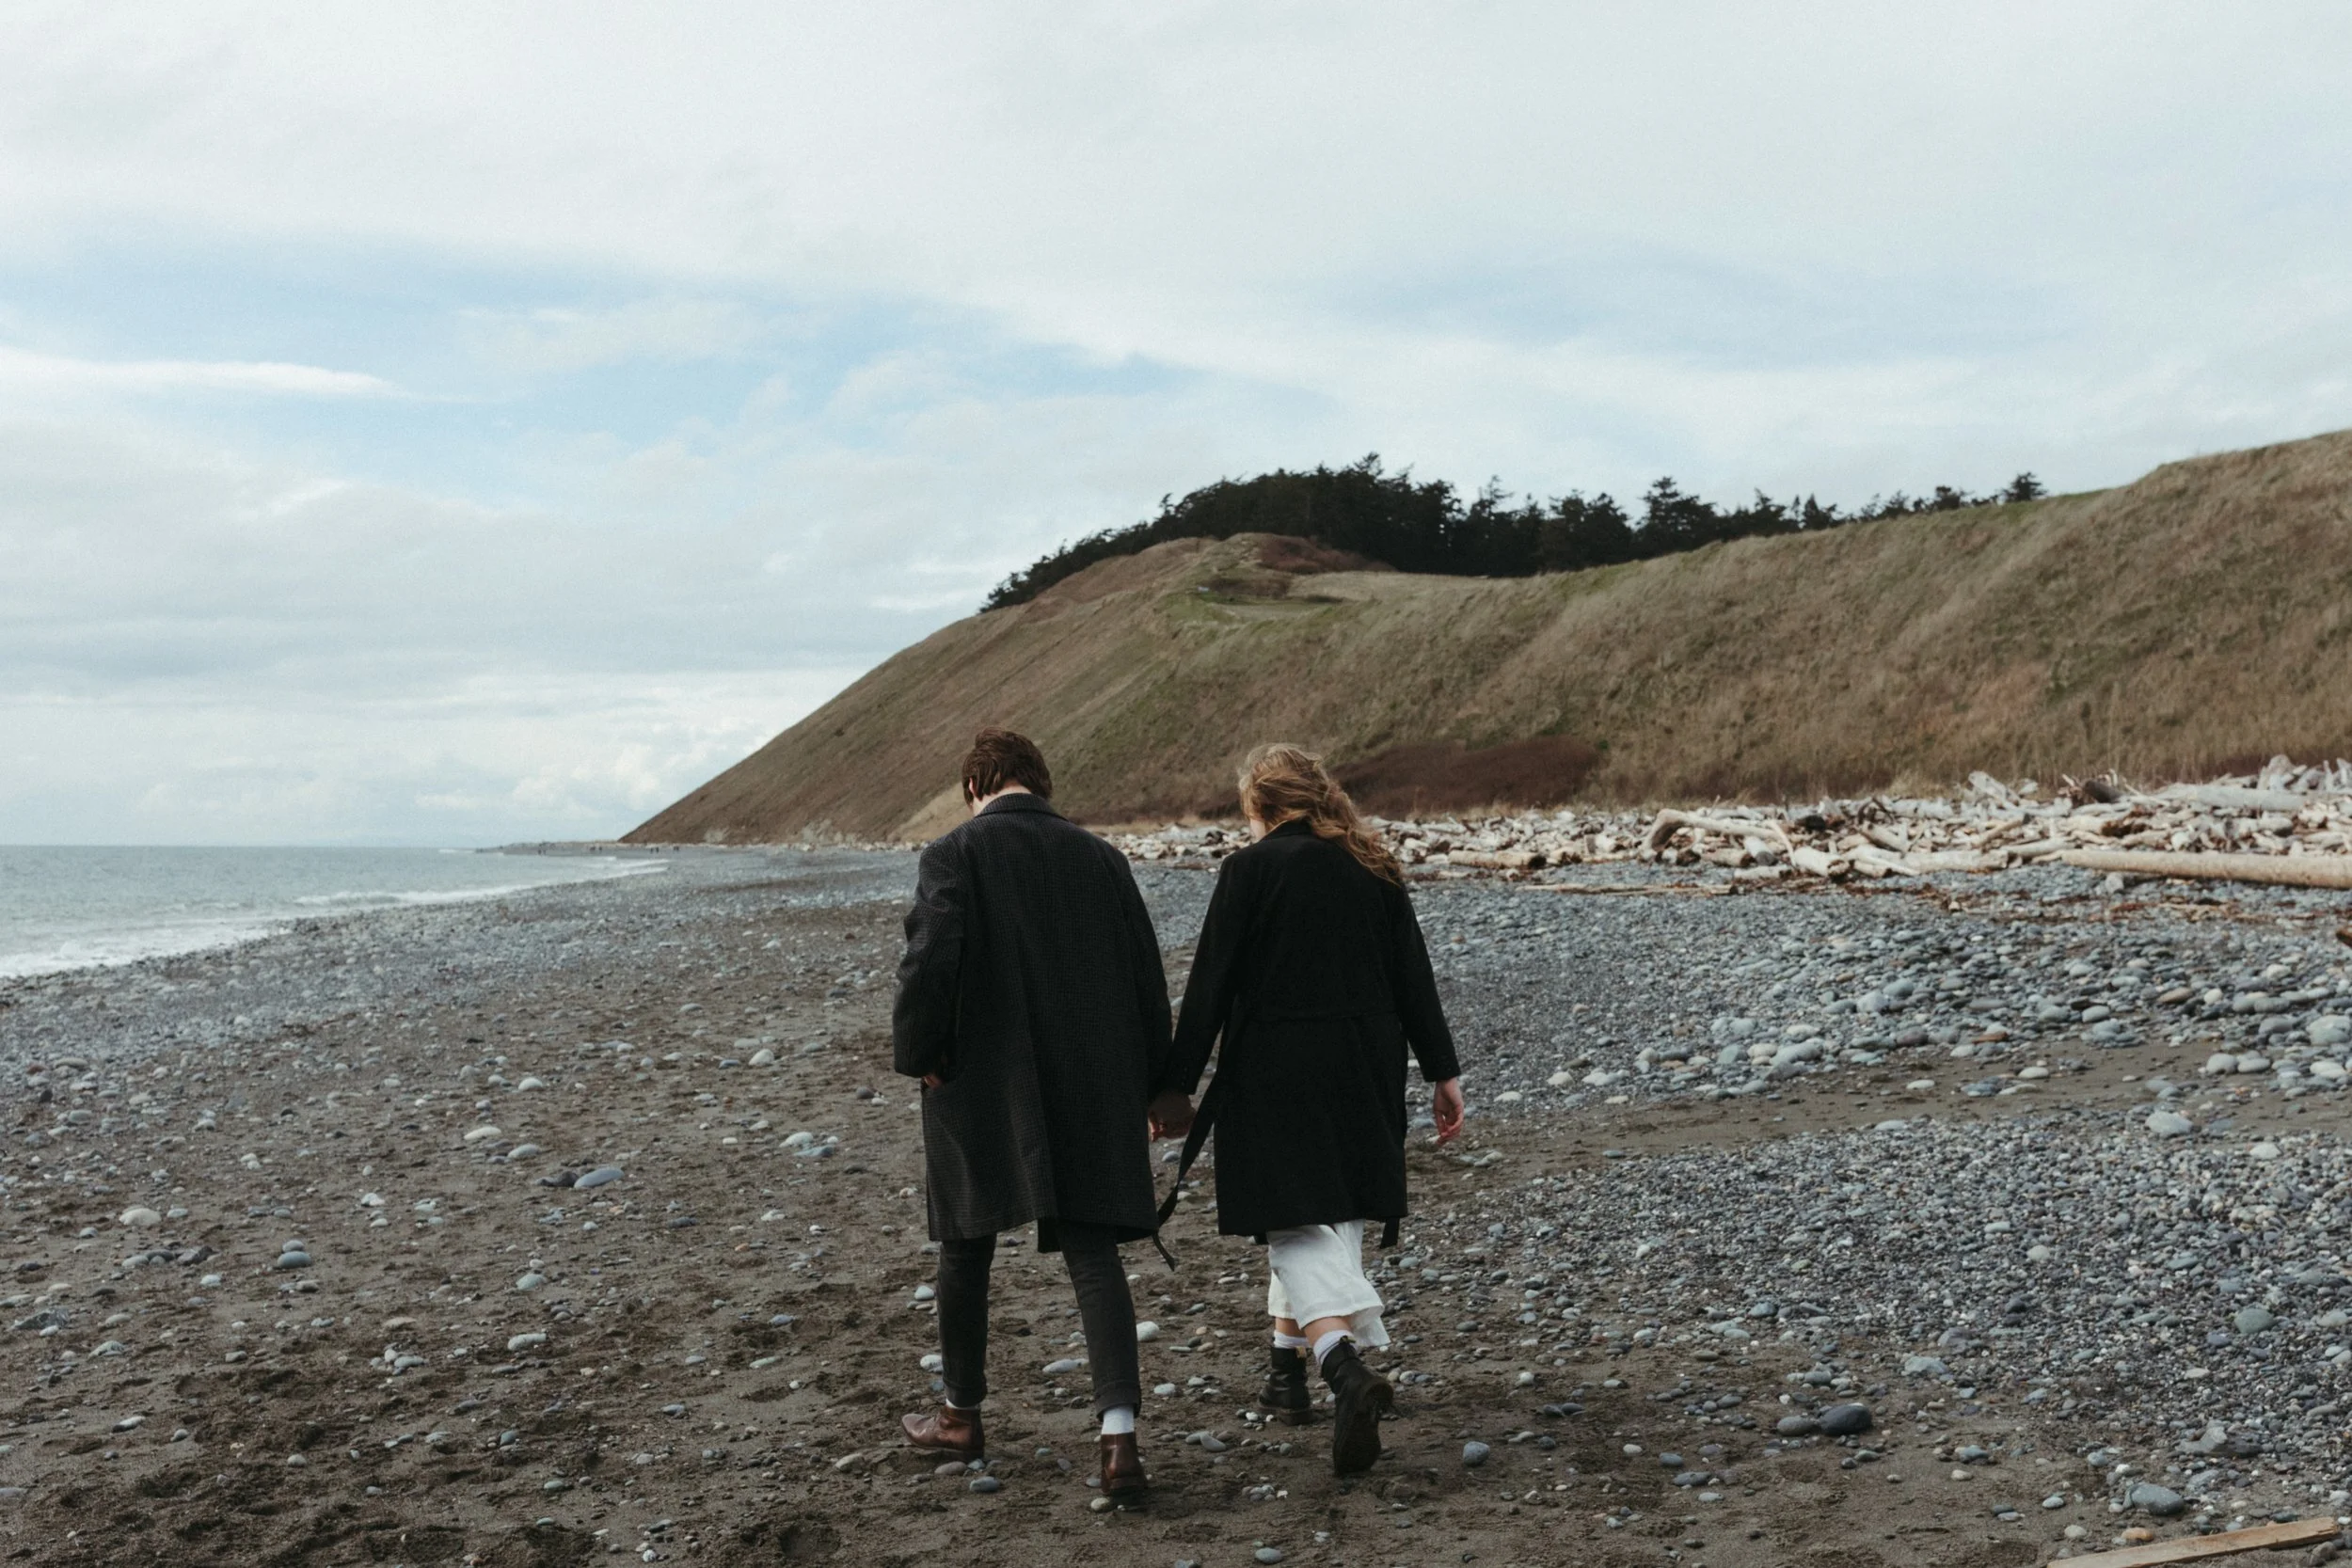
{"x": 165, "y": 929}
{"x": 337, "y": 902}
{"x": 113, "y": 949}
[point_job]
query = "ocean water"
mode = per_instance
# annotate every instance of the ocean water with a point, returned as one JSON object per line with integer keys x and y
{"x": 69, "y": 907}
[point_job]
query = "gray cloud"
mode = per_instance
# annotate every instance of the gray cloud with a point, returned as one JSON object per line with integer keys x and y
{"x": 779, "y": 334}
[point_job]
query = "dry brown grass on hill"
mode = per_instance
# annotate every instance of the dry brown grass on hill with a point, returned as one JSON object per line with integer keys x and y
{"x": 2176, "y": 626}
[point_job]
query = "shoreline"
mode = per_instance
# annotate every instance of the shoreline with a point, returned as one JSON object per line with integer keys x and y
{"x": 135, "y": 939}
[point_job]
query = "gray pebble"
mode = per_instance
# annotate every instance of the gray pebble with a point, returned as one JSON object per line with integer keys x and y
{"x": 1475, "y": 1454}
{"x": 599, "y": 1177}
{"x": 2160, "y": 1500}
{"x": 291, "y": 1261}
{"x": 984, "y": 1483}
{"x": 1843, "y": 1420}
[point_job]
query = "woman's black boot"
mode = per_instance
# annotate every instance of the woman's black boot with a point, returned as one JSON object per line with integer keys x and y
{"x": 1361, "y": 1396}
{"x": 1285, "y": 1391}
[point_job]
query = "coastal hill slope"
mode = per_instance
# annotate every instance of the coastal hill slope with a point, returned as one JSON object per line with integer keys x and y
{"x": 2178, "y": 626}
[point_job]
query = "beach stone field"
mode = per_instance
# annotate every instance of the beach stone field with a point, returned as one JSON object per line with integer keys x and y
{"x": 1956, "y": 1220}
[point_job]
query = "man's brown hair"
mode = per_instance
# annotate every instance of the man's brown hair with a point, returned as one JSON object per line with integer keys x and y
{"x": 1000, "y": 759}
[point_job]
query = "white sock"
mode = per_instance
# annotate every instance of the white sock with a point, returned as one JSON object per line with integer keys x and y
{"x": 1331, "y": 1341}
{"x": 953, "y": 1405}
{"x": 1289, "y": 1341}
{"x": 1118, "y": 1420}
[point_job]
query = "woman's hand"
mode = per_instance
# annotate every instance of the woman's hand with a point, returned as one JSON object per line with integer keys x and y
{"x": 1446, "y": 1106}
{"x": 1170, "y": 1115}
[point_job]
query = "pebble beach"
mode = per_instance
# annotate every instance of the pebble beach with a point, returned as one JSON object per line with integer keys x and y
{"x": 1949, "y": 1218}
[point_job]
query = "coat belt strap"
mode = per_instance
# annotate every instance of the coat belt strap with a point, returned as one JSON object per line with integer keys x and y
{"x": 1202, "y": 1119}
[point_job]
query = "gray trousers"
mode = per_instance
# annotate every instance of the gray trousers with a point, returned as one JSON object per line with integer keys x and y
{"x": 1104, "y": 1307}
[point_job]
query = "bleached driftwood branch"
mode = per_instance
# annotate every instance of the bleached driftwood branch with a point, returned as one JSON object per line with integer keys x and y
{"x": 2200, "y": 1549}
{"x": 2329, "y": 871}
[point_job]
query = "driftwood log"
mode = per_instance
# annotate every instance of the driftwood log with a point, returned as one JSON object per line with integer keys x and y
{"x": 2330, "y": 871}
{"x": 2280, "y": 812}
{"x": 1687, "y": 890}
{"x": 1670, "y": 822}
{"x": 2197, "y": 1548}
{"x": 2236, "y": 797}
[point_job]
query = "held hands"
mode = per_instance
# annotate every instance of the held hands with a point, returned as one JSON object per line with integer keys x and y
{"x": 1170, "y": 1115}
{"x": 1446, "y": 1106}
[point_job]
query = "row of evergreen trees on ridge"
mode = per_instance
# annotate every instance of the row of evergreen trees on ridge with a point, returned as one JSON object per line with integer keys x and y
{"x": 1424, "y": 525}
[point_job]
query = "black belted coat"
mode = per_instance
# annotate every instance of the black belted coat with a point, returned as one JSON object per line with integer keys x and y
{"x": 1313, "y": 971}
{"x": 1032, "y": 986}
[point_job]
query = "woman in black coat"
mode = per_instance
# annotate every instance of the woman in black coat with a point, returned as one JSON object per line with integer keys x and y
{"x": 1311, "y": 967}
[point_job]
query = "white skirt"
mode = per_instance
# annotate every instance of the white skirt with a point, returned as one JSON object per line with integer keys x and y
{"x": 1317, "y": 1270}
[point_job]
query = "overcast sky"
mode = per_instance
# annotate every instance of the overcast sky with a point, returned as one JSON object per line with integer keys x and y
{"x": 455, "y": 424}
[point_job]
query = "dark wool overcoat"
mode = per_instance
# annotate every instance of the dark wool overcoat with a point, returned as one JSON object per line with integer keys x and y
{"x": 1032, "y": 986}
{"x": 1314, "y": 971}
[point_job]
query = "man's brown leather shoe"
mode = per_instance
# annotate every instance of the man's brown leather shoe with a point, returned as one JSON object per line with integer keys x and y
{"x": 946, "y": 1431}
{"x": 1122, "y": 1468}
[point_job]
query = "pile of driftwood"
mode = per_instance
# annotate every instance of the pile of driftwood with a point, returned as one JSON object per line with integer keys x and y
{"x": 2286, "y": 824}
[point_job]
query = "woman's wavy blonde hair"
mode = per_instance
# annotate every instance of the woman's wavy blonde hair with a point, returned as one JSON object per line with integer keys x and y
{"x": 1287, "y": 784}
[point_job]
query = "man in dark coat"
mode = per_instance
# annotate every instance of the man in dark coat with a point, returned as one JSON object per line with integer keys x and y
{"x": 1032, "y": 1004}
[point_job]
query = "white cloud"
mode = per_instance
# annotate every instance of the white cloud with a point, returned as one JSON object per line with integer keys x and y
{"x": 713, "y": 347}
{"x": 487, "y": 760}
{"x": 208, "y": 646}
{"x": 550, "y": 340}
{"x": 28, "y": 375}
{"x": 1431, "y": 218}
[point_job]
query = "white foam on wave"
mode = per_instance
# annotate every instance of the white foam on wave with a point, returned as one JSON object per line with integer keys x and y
{"x": 112, "y": 949}
{"x": 340, "y": 902}
{"x": 64, "y": 951}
